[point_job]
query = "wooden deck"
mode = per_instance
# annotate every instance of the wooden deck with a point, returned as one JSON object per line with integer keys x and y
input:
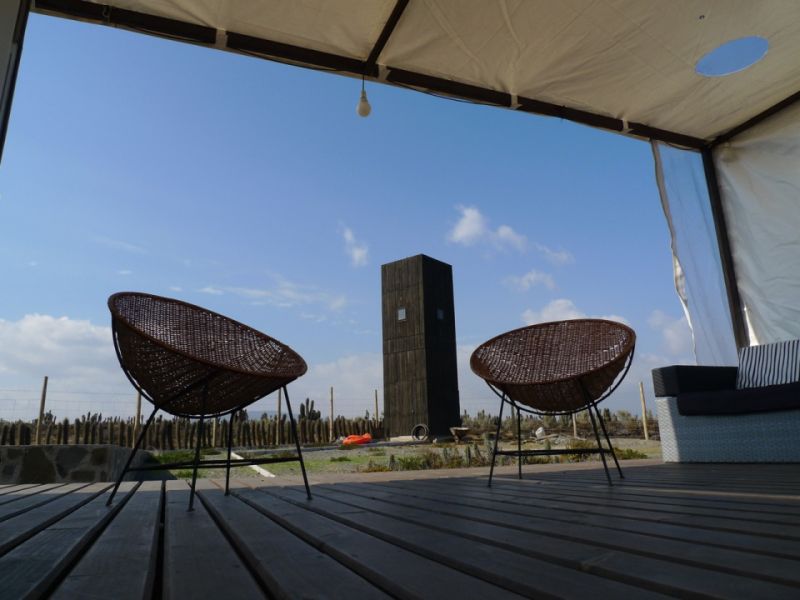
{"x": 726, "y": 531}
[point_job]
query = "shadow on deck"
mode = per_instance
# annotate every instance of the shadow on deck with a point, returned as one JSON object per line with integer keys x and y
{"x": 730, "y": 531}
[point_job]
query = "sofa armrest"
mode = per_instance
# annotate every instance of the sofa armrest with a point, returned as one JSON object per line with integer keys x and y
{"x": 678, "y": 379}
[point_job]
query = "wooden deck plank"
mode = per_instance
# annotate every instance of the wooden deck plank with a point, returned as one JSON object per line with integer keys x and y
{"x": 507, "y": 492}
{"x": 658, "y": 575}
{"x": 7, "y": 489}
{"x": 289, "y": 567}
{"x": 735, "y": 562}
{"x": 779, "y": 479}
{"x": 16, "y": 530}
{"x": 632, "y": 494}
{"x": 526, "y": 574}
{"x": 401, "y": 573}
{"x": 198, "y": 560}
{"x": 788, "y": 524}
{"x": 31, "y": 495}
{"x": 31, "y": 568}
{"x": 121, "y": 564}
{"x": 482, "y": 498}
{"x": 722, "y": 531}
{"x": 709, "y": 498}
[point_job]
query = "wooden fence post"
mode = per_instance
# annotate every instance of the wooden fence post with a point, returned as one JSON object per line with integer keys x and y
{"x": 377, "y": 414}
{"x": 41, "y": 412}
{"x": 138, "y": 417}
{"x": 279, "y": 417}
{"x": 644, "y": 411}
{"x": 574, "y": 426}
{"x": 330, "y": 428}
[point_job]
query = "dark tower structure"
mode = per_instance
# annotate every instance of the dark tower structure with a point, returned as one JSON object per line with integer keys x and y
{"x": 420, "y": 378}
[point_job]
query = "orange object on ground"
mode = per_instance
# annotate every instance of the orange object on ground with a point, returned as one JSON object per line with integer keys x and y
{"x": 365, "y": 438}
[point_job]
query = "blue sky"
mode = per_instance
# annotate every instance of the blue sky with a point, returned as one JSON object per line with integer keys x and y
{"x": 253, "y": 188}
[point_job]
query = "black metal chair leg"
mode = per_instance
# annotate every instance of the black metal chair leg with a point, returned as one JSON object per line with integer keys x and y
{"x": 132, "y": 454}
{"x": 297, "y": 441}
{"x": 519, "y": 442}
{"x": 197, "y": 447}
{"x": 230, "y": 449}
{"x": 497, "y": 438}
{"x": 610, "y": 447}
{"x": 600, "y": 446}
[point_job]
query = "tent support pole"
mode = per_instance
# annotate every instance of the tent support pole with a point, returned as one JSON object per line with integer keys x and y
{"x": 12, "y": 35}
{"x": 740, "y": 332}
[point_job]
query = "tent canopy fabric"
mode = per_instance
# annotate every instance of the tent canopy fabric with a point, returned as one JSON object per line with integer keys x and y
{"x": 626, "y": 65}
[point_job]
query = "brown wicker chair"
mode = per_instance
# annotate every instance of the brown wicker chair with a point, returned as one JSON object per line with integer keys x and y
{"x": 191, "y": 362}
{"x": 556, "y": 368}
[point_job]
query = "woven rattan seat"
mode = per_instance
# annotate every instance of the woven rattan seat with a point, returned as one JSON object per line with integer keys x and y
{"x": 555, "y": 368}
{"x": 192, "y": 362}
{"x": 171, "y": 349}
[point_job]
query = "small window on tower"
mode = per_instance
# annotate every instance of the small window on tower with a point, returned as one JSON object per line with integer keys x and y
{"x": 440, "y": 314}
{"x": 401, "y": 314}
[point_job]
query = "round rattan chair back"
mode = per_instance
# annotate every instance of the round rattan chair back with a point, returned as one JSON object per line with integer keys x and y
{"x": 190, "y": 361}
{"x": 558, "y": 367}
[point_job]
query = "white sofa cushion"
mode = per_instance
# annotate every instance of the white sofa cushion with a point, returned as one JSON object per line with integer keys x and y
{"x": 768, "y": 364}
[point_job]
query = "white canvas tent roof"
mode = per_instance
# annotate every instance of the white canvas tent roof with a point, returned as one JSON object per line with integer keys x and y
{"x": 628, "y": 65}
{"x": 623, "y": 65}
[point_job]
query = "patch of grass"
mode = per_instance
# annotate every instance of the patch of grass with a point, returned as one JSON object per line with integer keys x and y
{"x": 629, "y": 453}
{"x": 373, "y": 467}
{"x": 341, "y": 459}
{"x": 376, "y": 451}
{"x": 173, "y": 456}
{"x": 415, "y": 462}
{"x": 580, "y": 445}
{"x": 622, "y": 453}
{"x": 284, "y": 454}
{"x": 183, "y": 473}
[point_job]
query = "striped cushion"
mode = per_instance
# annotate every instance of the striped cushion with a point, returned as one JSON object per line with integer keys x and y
{"x": 769, "y": 364}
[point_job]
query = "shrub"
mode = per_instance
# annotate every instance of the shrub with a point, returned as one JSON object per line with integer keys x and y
{"x": 373, "y": 467}
{"x": 629, "y": 453}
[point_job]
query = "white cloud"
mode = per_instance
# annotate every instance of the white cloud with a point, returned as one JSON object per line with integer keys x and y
{"x": 675, "y": 333}
{"x": 33, "y": 263}
{"x": 357, "y": 251}
{"x": 562, "y": 309}
{"x": 175, "y": 288}
{"x": 556, "y": 257}
{"x": 531, "y": 279}
{"x": 472, "y": 227}
{"x": 76, "y": 355}
{"x": 124, "y": 272}
{"x": 557, "y": 310}
{"x": 313, "y": 317}
{"x": 507, "y": 236}
{"x": 284, "y": 294}
{"x": 337, "y": 302}
{"x": 119, "y": 245}
{"x": 211, "y": 290}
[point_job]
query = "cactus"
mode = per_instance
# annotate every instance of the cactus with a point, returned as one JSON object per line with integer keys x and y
{"x": 307, "y": 411}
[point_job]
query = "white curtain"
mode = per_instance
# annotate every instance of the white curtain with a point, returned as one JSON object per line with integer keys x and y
{"x": 759, "y": 176}
{"x": 698, "y": 271}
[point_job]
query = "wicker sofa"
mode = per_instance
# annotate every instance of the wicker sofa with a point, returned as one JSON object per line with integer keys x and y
{"x": 703, "y": 417}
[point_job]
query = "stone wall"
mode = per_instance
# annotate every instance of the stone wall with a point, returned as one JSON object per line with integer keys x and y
{"x": 65, "y": 463}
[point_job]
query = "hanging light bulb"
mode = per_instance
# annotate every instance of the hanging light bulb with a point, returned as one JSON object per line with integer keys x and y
{"x": 363, "y": 109}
